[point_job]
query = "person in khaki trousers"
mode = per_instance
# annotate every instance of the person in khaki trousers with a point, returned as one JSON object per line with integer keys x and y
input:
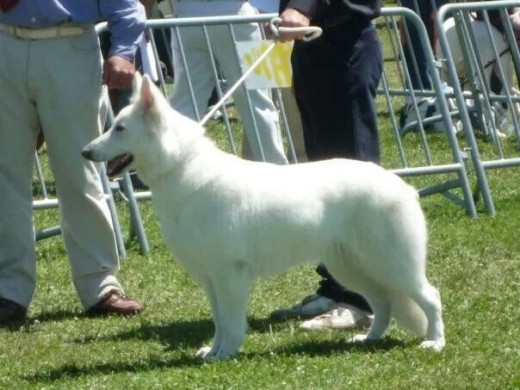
{"x": 288, "y": 100}
{"x": 51, "y": 79}
{"x": 266, "y": 144}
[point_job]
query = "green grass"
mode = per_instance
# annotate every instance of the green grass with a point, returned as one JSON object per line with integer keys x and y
{"x": 474, "y": 263}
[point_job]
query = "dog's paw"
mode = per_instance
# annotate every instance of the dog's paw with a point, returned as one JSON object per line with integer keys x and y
{"x": 360, "y": 338}
{"x": 209, "y": 355}
{"x": 435, "y": 345}
{"x": 203, "y": 353}
{"x": 363, "y": 339}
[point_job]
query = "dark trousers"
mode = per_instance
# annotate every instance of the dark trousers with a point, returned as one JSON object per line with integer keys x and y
{"x": 335, "y": 82}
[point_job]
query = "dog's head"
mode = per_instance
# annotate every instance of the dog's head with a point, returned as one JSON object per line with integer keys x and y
{"x": 139, "y": 131}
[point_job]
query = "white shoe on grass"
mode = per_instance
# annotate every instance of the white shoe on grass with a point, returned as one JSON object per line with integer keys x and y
{"x": 341, "y": 316}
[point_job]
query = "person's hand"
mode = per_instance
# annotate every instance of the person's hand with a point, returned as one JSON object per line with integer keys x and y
{"x": 292, "y": 18}
{"x": 118, "y": 72}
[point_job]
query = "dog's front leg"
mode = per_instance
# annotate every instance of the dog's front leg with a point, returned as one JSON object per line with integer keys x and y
{"x": 382, "y": 315}
{"x": 206, "y": 351}
{"x": 228, "y": 291}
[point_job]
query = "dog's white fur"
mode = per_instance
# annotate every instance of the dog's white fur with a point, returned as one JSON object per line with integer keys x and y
{"x": 229, "y": 221}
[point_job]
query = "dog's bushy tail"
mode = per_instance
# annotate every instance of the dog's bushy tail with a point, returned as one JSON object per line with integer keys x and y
{"x": 409, "y": 315}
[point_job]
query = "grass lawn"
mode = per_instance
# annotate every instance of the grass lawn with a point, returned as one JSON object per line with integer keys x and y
{"x": 475, "y": 264}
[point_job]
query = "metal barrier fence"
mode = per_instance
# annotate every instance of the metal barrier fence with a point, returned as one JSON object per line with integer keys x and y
{"x": 392, "y": 93}
{"x": 432, "y": 126}
{"x": 480, "y": 59}
{"x": 426, "y": 143}
{"x": 44, "y": 201}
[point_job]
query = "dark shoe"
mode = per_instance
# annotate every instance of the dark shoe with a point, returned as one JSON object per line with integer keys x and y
{"x": 11, "y": 312}
{"x": 115, "y": 302}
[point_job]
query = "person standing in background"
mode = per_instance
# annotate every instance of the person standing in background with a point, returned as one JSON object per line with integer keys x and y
{"x": 51, "y": 78}
{"x": 335, "y": 78}
{"x": 289, "y": 103}
{"x": 263, "y": 114}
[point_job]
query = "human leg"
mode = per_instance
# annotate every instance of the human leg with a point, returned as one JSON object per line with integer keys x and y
{"x": 194, "y": 67}
{"x": 19, "y": 127}
{"x": 341, "y": 122}
{"x": 332, "y": 306}
{"x": 414, "y": 51}
{"x": 260, "y": 114}
{"x": 68, "y": 107}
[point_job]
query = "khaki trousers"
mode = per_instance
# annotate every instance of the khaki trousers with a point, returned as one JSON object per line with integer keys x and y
{"x": 262, "y": 116}
{"x": 53, "y": 84}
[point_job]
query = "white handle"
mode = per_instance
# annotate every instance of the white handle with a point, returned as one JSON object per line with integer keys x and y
{"x": 311, "y": 32}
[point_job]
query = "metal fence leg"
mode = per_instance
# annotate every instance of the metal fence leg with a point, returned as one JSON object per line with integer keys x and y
{"x": 136, "y": 227}
{"x": 113, "y": 212}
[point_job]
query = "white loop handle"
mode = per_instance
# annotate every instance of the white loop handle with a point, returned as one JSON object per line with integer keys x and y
{"x": 311, "y": 32}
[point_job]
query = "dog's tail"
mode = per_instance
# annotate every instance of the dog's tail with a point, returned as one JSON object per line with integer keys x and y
{"x": 409, "y": 315}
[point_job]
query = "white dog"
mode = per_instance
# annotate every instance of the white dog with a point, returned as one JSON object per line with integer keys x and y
{"x": 229, "y": 221}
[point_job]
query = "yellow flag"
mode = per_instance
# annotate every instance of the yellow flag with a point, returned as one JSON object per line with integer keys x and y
{"x": 274, "y": 71}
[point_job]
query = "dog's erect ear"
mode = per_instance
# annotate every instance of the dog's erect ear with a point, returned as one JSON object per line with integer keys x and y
{"x": 136, "y": 84}
{"x": 147, "y": 96}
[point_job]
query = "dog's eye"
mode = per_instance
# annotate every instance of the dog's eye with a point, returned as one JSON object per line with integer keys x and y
{"x": 119, "y": 127}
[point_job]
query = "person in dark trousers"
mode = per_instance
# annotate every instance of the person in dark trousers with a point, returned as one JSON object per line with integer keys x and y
{"x": 335, "y": 78}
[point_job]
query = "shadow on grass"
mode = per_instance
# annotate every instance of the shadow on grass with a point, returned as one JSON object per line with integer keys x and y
{"x": 310, "y": 349}
{"x": 25, "y": 324}
{"x": 60, "y": 315}
{"x": 192, "y": 333}
{"x": 335, "y": 347}
{"x": 177, "y": 334}
{"x": 182, "y": 335}
{"x": 70, "y": 371}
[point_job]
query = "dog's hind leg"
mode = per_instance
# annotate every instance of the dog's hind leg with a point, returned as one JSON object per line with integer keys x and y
{"x": 382, "y": 310}
{"x": 230, "y": 289}
{"x": 429, "y": 300}
{"x": 356, "y": 280}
